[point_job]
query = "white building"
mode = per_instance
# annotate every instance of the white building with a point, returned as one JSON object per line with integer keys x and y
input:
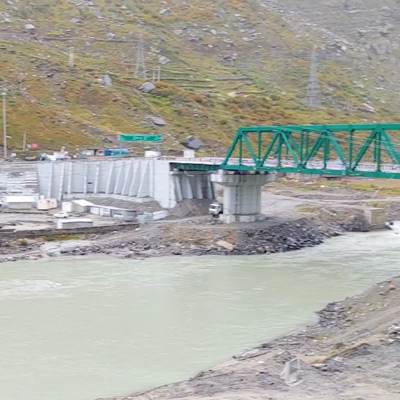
{"x": 81, "y": 206}
{"x": 19, "y": 202}
{"x": 113, "y": 212}
{"x": 66, "y": 206}
{"x": 44, "y": 204}
{"x": 72, "y": 223}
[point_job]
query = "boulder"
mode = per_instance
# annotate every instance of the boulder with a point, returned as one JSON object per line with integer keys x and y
{"x": 107, "y": 80}
{"x": 165, "y": 11}
{"x": 369, "y": 108}
{"x": 30, "y": 28}
{"x": 147, "y": 87}
{"x": 193, "y": 143}
{"x": 156, "y": 120}
{"x": 163, "y": 60}
{"x": 225, "y": 245}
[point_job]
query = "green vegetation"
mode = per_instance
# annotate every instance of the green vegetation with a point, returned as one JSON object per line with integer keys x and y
{"x": 64, "y": 237}
{"x": 364, "y": 187}
{"x": 388, "y": 190}
{"x": 218, "y": 78}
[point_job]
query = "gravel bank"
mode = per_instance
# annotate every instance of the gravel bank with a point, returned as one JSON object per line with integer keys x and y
{"x": 199, "y": 236}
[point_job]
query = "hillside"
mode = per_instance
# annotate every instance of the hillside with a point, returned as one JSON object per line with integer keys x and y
{"x": 224, "y": 64}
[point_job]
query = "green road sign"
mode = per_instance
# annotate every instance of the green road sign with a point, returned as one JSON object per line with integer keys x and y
{"x": 140, "y": 138}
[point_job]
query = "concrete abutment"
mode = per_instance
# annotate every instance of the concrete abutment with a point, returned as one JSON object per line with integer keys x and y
{"x": 137, "y": 180}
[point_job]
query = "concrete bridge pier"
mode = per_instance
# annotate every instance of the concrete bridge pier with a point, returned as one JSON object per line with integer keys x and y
{"x": 242, "y": 195}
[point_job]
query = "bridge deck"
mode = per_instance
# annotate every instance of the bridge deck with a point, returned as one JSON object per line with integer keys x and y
{"x": 316, "y": 167}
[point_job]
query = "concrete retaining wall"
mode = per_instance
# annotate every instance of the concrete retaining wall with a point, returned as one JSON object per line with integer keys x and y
{"x": 138, "y": 180}
{"x": 132, "y": 179}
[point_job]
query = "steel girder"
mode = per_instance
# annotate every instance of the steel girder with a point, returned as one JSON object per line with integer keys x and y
{"x": 296, "y": 149}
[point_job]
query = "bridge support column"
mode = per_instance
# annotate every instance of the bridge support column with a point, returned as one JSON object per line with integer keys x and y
{"x": 242, "y": 195}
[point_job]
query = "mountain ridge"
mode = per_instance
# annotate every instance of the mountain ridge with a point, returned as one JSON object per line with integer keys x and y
{"x": 224, "y": 64}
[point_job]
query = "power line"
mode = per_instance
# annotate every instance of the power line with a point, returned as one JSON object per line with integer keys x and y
{"x": 140, "y": 71}
{"x": 157, "y": 74}
{"x": 313, "y": 95}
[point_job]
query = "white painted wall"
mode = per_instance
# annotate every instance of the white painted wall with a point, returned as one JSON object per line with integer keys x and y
{"x": 164, "y": 185}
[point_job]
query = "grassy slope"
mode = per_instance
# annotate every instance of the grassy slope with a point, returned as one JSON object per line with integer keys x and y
{"x": 57, "y": 105}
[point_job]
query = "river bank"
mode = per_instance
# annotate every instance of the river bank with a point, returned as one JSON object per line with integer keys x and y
{"x": 199, "y": 236}
{"x": 296, "y": 218}
{"x": 351, "y": 353}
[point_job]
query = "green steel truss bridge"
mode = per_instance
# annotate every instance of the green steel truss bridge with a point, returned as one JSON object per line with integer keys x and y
{"x": 370, "y": 151}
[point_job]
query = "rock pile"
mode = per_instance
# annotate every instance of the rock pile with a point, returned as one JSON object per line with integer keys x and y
{"x": 280, "y": 238}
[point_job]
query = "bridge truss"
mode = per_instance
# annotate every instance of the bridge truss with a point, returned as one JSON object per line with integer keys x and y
{"x": 339, "y": 150}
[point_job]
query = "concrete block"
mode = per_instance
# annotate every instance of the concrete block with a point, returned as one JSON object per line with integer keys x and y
{"x": 251, "y": 218}
{"x": 146, "y": 218}
{"x": 46, "y": 204}
{"x": 72, "y": 223}
{"x": 376, "y": 218}
{"x": 227, "y": 218}
{"x": 158, "y": 215}
{"x": 225, "y": 245}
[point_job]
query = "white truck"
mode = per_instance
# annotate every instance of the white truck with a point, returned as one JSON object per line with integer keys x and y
{"x": 61, "y": 214}
{"x": 216, "y": 209}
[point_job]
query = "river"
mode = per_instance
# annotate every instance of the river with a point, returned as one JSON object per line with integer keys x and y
{"x": 78, "y": 329}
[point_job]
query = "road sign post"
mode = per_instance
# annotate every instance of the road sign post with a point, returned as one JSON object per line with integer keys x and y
{"x": 140, "y": 138}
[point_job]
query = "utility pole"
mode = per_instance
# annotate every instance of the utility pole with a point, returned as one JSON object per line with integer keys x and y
{"x": 140, "y": 71}
{"x": 313, "y": 95}
{"x": 349, "y": 106}
{"x": 71, "y": 56}
{"x": 4, "y": 126}
{"x": 157, "y": 74}
{"x": 24, "y": 142}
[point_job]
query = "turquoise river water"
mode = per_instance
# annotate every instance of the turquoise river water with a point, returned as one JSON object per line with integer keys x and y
{"x": 79, "y": 329}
